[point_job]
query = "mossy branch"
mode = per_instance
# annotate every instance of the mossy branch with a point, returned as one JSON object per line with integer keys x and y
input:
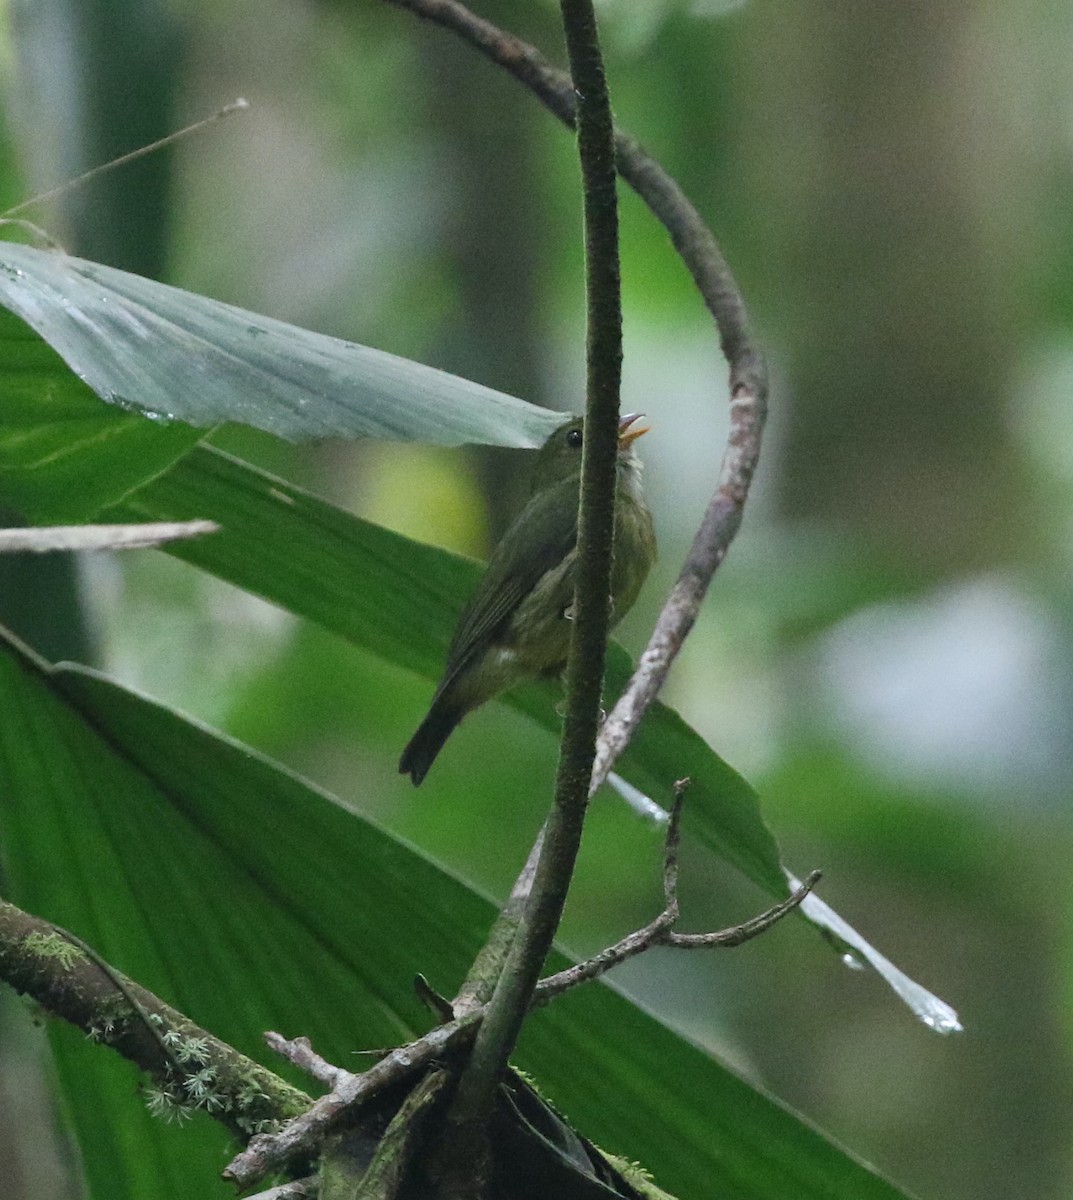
{"x": 191, "y": 1069}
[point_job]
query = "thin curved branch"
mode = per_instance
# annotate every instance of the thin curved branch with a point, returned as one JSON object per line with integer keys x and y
{"x": 700, "y": 252}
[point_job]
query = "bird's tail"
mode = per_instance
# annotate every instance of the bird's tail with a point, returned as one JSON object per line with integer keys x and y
{"x": 427, "y": 742}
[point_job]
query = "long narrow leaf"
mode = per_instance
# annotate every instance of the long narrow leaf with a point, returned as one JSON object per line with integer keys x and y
{"x": 173, "y": 354}
{"x": 252, "y": 900}
{"x": 64, "y": 454}
{"x": 399, "y": 599}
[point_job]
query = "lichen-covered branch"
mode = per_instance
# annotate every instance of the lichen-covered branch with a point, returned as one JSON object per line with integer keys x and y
{"x": 191, "y": 1069}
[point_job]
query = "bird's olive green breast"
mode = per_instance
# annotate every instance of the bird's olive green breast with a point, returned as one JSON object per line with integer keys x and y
{"x": 518, "y": 622}
{"x": 540, "y": 629}
{"x": 634, "y": 552}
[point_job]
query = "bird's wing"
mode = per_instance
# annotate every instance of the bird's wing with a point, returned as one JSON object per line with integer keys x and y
{"x": 541, "y": 536}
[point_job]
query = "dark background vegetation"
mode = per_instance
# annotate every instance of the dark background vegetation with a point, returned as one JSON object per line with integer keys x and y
{"x": 886, "y": 654}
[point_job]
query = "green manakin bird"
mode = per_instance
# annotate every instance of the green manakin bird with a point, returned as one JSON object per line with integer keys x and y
{"x": 517, "y": 623}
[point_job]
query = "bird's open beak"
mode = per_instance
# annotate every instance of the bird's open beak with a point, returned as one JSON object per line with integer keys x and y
{"x": 626, "y": 435}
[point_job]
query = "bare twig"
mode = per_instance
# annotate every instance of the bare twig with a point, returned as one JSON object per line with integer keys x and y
{"x": 235, "y": 106}
{"x": 671, "y": 844}
{"x": 299, "y": 1052}
{"x": 641, "y": 939}
{"x": 268, "y": 1152}
{"x": 660, "y": 932}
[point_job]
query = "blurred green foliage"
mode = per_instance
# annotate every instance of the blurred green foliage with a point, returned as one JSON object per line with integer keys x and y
{"x": 889, "y": 183}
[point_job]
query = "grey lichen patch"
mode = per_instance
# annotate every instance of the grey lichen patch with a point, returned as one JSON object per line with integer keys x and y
{"x": 55, "y": 947}
{"x": 177, "y": 1097}
{"x": 187, "y": 1050}
{"x": 165, "y": 1106}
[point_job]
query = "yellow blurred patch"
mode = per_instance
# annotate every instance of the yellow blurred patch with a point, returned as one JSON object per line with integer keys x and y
{"x": 425, "y": 492}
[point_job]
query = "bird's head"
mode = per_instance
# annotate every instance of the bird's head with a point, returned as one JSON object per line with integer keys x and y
{"x": 560, "y": 456}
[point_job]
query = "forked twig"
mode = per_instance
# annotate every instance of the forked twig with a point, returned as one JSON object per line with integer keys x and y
{"x": 270, "y": 1151}
{"x": 660, "y": 932}
{"x": 300, "y": 1053}
{"x": 306, "y": 1132}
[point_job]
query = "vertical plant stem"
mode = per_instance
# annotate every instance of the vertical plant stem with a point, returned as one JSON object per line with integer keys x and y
{"x": 585, "y": 667}
{"x": 701, "y": 254}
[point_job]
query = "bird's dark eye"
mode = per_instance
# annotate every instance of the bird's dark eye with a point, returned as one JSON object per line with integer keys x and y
{"x": 573, "y": 438}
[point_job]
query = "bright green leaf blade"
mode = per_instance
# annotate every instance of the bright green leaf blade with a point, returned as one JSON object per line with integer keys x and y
{"x": 180, "y": 859}
{"x": 253, "y": 901}
{"x": 399, "y": 599}
{"x": 63, "y": 454}
{"x": 174, "y": 354}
